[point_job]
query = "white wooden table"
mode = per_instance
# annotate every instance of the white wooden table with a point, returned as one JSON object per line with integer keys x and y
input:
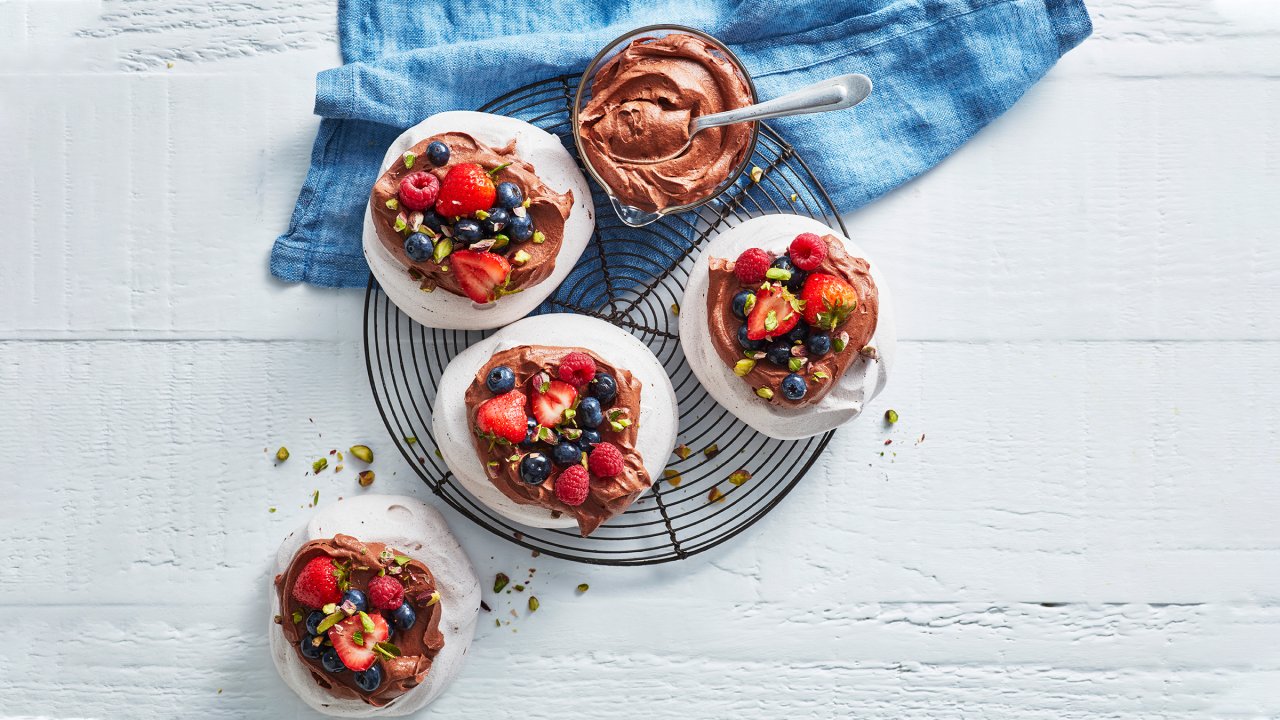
{"x": 1088, "y": 297}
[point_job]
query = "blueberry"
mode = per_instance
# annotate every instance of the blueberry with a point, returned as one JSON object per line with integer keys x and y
{"x": 331, "y": 662}
{"x": 796, "y": 283}
{"x": 530, "y": 434}
{"x": 313, "y": 622}
{"x": 467, "y": 231}
{"x": 357, "y": 598}
{"x": 403, "y": 617}
{"x": 370, "y": 679}
{"x": 509, "y": 195}
{"x": 819, "y": 344}
{"x": 604, "y": 388}
{"x": 566, "y": 453}
{"x": 496, "y": 222}
{"x": 746, "y": 342}
{"x": 794, "y": 387}
{"x": 432, "y": 220}
{"x": 589, "y": 438}
{"x": 500, "y": 380}
{"x": 740, "y": 303}
{"x": 418, "y": 247}
{"x": 520, "y": 228}
{"x": 438, "y": 153}
{"x": 535, "y": 468}
{"x": 778, "y": 353}
{"x": 590, "y": 414}
{"x": 783, "y": 262}
{"x": 798, "y": 334}
{"x": 310, "y": 648}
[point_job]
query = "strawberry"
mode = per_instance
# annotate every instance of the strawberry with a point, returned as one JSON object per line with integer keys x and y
{"x": 482, "y": 275}
{"x": 775, "y": 313}
{"x": 503, "y": 417}
{"x": 828, "y": 300}
{"x": 359, "y": 656}
{"x": 317, "y": 584}
{"x": 549, "y": 404}
{"x": 467, "y": 187}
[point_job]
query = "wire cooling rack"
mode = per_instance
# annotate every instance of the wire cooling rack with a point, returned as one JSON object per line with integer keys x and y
{"x": 730, "y": 476}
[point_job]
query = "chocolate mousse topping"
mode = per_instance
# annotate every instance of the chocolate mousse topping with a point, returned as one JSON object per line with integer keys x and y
{"x": 548, "y": 209}
{"x": 642, "y": 102}
{"x": 860, "y": 325}
{"x": 608, "y": 496}
{"x": 418, "y": 646}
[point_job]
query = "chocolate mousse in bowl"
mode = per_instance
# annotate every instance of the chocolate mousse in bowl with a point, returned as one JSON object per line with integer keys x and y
{"x": 635, "y": 104}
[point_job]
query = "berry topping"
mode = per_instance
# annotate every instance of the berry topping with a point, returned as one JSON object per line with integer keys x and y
{"x": 467, "y": 187}
{"x": 778, "y": 353}
{"x": 404, "y": 617}
{"x": 496, "y": 222}
{"x": 798, "y": 334}
{"x": 358, "y": 656}
{"x": 577, "y": 368}
{"x": 468, "y": 231}
{"x": 774, "y": 314}
{"x": 590, "y": 413}
{"x": 418, "y": 247}
{"x": 819, "y": 343}
{"x": 794, "y": 387}
{"x": 503, "y": 417}
{"x": 751, "y": 266}
{"x": 572, "y": 485}
{"x": 331, "y": 662}
{"x": 566, "y": 453}
{"x": 742, "y": 303}
{"x": 828, "y": 300}
{"x": 530, "y": 434}
{"x": 746, "y": 342}
{"x": 483, "y": 275}
{"x": 509, "y": 195}
{"x": 310, "y": 648}
{"x": 432, "y": 219}
{"x": 589, "y": 438}
{"x": 535, "y": 468}
{"x": 385, "y": 592}
{"x": 787, "y": 273}
{"x": 357, "y": 599}
{"x": 370, "y": 679}
{"x": 549, "y": 404}
{"x": 520, "y": 228}
{"x": 437, "y": 153}
{"x": 317, "y": 584}
{"x": 605, "y": 460}
{"x": 808, "y": 251}
{"x": 603, "y": 388}
{"x": 418, "y": 190}
{"x": 500, "y": 380}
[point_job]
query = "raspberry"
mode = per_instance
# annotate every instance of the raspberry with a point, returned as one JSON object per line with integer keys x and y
{"x": 385, "y": 593}
{"x": 751, "y": 266}
{"x": 418, "y": 190}
{"x": 572, "y": 485}
{"x": 605, "y": 460}
{"x": 577, "y": 369}
{"x": 317, "y": 585}
{"x": 808, "y": 251}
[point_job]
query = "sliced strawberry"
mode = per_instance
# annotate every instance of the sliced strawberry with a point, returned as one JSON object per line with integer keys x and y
{"x": 774, "y": 315}
{"x": 358, "y": 656}
{"x": 503, "y": 416}
{"x": 828, "y": 300}
{"x": 482, "y": 275}
{"x": 549, "y": 405}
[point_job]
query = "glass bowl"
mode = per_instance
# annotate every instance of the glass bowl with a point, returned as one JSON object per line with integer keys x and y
{"x": 634, "y": 216}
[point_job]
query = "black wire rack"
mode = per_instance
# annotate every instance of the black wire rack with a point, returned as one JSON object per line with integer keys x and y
{"x": 724, "y": 476}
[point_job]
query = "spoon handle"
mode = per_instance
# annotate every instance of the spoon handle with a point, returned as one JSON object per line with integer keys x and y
{"x": 835, "y": 93}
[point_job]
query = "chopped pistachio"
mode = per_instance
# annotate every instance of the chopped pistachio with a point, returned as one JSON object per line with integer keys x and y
{"x": 411, "y": 439}
{"x": 538, "y": 237}
{"x": 393, "y": 204}
{"x": 403, "y": 560}
{"x": 715, "y": 495}
{"x": 338, "y": 469}
{"x": 750, "y": 302}
{"x": 518, "y": 588}
{"x": 315, "y": 498}
{"x": 765, "y": 393}
{"x": 533, "y": 603}
{"x": 271, "y": 510}
{"x": 521, "y": 257}
{"x": 838, "y": 345}
{"x": 442, "y": 250}
{"x": 682, "y": 451}
{"x": 329, "y": 608}
{"x": 297, "y": 616}
{"x": 743, "y": 367}
{"x": 711, "y": 450}
{"x": 739, "y": 476}
{"x": 796, "y": 363}
{"x": 527, "y": 202}
{"x": 319, "y": 465}
{"x": 365, "y": 478}
{"x": 367, "y": 623}
{"x": 672, "y": 477}
{"x": 482, "y": 215}
{"x": 675, "y": 309}
{"x": 756, "y": 173}
{"x": 771, "y": 321}
{"x": 402, "y": 223}
{"x": 869, "y": 351}
{"x": 891, "y": 416}
{"x": 357, "y": 637}
{"x": 409, "y": 159}
{"x": 500, "y": 241}
{"x": 819, "y": 376}
{"x": 362, "y": 452}
{"x": 282, "y": 454}
{"x": 500, "y": 581}
{"x": 781, "y": 274}
{"x": 583, "y": 587}
{"x": 619, "y": 425}
{"x": 330, "y": 620}
{"x": 794, "y": 197}
{"x": 435, "y": 598}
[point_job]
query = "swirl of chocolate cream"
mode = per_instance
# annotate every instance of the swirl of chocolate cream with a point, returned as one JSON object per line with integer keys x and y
{"x": 642, "y": 101}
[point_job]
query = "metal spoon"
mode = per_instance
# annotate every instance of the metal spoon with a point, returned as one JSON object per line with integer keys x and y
{"x": 837, "y": 93}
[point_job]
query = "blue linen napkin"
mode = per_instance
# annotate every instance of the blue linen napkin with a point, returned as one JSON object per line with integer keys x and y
{"x": 942, "y": 69}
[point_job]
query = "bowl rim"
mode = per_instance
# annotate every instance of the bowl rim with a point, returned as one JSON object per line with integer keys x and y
{"x": 594, "y": 66}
